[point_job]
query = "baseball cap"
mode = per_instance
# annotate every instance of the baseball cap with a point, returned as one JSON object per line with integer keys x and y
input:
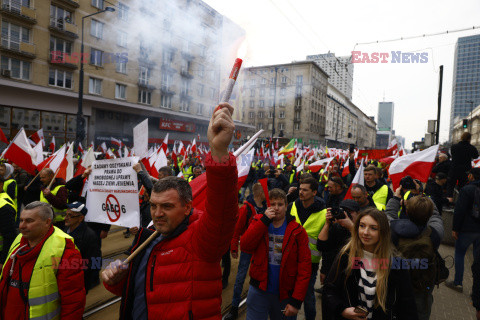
{"x": 350, "y": 204}
{"x": 77, "y": 207}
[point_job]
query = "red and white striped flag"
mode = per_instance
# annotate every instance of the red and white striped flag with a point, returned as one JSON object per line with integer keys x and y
{"x": 52, "y": 145}
{"x": 116, "y": 142}
{"x": 21, "y": 153}
{"x": 38, "y": 136}
{"x": 317, "y": 165}
{"x": 358, "y": 179}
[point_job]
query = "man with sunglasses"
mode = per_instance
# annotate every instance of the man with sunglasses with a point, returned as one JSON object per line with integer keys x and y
{"x": 86, "y": 241}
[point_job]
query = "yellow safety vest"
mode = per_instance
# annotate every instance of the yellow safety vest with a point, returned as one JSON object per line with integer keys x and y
{"x": 5, "y": 200}
{"x": 405, "y": 198}
{"x": 313, "y": 226}
{"x": 58, "y": 212}
{"x": 43, "y": 296}
{"x": 5, "y": 187}
{"x": 380, "y": 197}
{"x": 187, "y": 172}
{"x": 292, "y": 175}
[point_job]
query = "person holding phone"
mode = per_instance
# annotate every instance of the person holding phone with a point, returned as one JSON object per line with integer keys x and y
{"x": 361, "y": 283}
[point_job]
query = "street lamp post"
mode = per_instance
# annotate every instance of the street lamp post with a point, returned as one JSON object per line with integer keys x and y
{"x": 274, "y": 98}
{"x": 80, "y": 134}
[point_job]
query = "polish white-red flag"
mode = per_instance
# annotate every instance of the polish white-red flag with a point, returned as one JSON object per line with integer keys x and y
{"x": 244, "y": 157}
{"x": 38, "y": 136}
{"x": 86, "y": 161}
{"x": 21, "y": 153}
{"x": 39, "y": 151}
{"x": 109, "y": 154}
{"x": 104, "y": 148}
{"x": 416, "y": 165}
{"x": 54, "y": 161}
{"x": 80, "y": 149}
{"x": 319, "y": 164}
{"x": 3, "y": 137}
{"x": 194, "y": 146}
{"x": 51, "y": 146}
{"x": 116, "y": 142}
{"x": 160, "y": 161}
{"x": 181, "y": 149}
{"x": 165, "y": 144}
{"x": 65, "y": 170}
{"x": 358, "y": 179}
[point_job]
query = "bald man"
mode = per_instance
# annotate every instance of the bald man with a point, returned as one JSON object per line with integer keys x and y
{"x": 443, "y": 164}
{"x": 56, "y": 195}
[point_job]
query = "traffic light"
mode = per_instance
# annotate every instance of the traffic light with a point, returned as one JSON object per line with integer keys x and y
{"x": 465, "y": 123}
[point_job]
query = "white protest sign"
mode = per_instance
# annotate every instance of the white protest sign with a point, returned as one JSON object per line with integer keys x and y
{"x": 113, "y": 193}
{"x": 140, "y": 139}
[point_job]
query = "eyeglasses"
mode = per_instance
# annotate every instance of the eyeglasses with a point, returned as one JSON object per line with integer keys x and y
{"x": 72, "y": 216}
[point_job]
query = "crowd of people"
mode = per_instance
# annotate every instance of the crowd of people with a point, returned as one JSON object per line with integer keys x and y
{"x": 373, "y": 248}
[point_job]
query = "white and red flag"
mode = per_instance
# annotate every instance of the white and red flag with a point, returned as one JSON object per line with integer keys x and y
{"x": 80, "y": 149}
{"x": 104, "y": 148}
{"x": 51, "y": 146}
{"x": 21, "y": 153}
{"x": 116, "y": 142}
{"x": 38, "y": 136}
{"x": 194, "y": 146}
{"x": 358, "y": 179}
{"x": 3, "y": 137}
{"x": 86, "y": 161}
{"x": 165, "y": 144}
{"x": 416, "y": 165}
{"x": 319, "y": 164}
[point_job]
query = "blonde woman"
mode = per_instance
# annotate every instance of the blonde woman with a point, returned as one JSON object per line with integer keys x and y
{"x": 361, "y": 283}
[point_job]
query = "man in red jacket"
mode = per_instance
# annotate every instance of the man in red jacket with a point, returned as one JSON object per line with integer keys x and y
{"x": 42, "y": 277}
{"x": 281, "y": 262}
{"x": 178, "y": 275}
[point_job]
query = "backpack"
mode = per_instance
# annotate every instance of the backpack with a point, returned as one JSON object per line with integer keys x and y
{"x": 423, "y": 272}
{"x": 476, "y": 205}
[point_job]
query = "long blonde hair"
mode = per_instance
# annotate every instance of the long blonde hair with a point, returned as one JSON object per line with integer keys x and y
{"x": 383, "y": 251}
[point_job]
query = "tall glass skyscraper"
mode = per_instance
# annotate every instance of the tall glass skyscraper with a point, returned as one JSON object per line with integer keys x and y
{"x": 466, "y": 79}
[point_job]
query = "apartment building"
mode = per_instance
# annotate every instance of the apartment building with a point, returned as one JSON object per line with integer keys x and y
{"x": 293, "y": 95}
{"x": 142, "y": 60}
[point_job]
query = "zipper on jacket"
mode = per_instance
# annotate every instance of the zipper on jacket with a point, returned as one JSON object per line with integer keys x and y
{"x": 151, "y": 272}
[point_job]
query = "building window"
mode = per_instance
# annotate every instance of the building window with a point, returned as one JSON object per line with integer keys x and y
{"x": 252, "y": 92}
{"x": 272, "y": 91}
{"x": 271, "y": 103}
{"x": 60, "y": 46}
{"x": 262, "y": 92}
{"x": 200, "y": 90}
{"x": 95, "y": 86}
{"x": 167, "y": 80}
{"x": 252, "y": 104}
{"x": 185, "y": 87}
{"x": 283, "y": 91}
{"x": 281, "y": 126}
{"x": 251, "y": 115}
{"x": 18, "y": 69}
{"x": 98, "y": 4}
{"x": 282, "y": 115}
{"x": 96, "y": 57}
{"x": 144, "y": 76}
{"x": 96, "y": 29}
{"x": 284, "y": 79}
{"x": 283, "y": 102}
{"x": 264, "y": 81}
{"x": 145, "y": 97}
{"x": 123, "y": 11}
{"x": 260, "y": 126}
{"x": 120, "y": 91}
{"x": 60, "y": 16}
{"x": 12, "y": 35}
{"x": 270, "y": 114}
{"x": 260, "y": 114}
{"x": 212, "y": 93}
{"x": 252, "y": 82}
{"x": 166, "y": 101}
{"x": 299, "y": 80}
{"x": 121, "y": 67}
{"x": 59, "y": 78}
{"x": 201, "y": 70}
{"x": 262, "y": 103}
{"x": 272, "y": 81}
{"x": 185, "y": 105}
{"x": 200, "y": 109}
{"x": 122, "y": 39}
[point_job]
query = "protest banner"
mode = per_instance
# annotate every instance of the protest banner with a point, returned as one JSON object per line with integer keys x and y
{"x": 113, "y": 193}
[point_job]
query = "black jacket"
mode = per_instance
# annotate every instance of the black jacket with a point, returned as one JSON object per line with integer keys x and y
{"x": 378, "y": 184}
{"x": 278, "y": 182}
{"x": 333, "y": 201}
{"x": 462, "y": 216}
{"x": 435, "y": 192}
{"x": 74, "y": 188}
{"x": 462, "y": 155}
{"x": 7, "y": 229}
{"x": 87, "y": 242}
{"x": 338, "y": 236}
{"x": 341, "y": 292}
{"x": 442, "y": 167}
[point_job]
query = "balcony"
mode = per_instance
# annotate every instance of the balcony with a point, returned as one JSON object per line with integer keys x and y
{"x": 186, "y": 74}
{"x": 64, "y": 60}
{"x": 145, "y": 83}
{"x": 187, "y": 55}
{"x": 168, "y": 68}
{"x": 298, "y": 96}
{"x": 16, "y": 10}
{"x": 298, "y": 107}
{"x": 24, "y": 49}
{"x": 145, "y": 58}
{"x": 185, "y": 96}
{"x": 297, "y": 120}
{"x": 63, "y": 27}
{"x": 73, "y": 4}
{"x": 167, "y": 89}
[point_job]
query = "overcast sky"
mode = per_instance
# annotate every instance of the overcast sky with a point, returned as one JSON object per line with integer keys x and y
{"x": 281, "y": 31}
